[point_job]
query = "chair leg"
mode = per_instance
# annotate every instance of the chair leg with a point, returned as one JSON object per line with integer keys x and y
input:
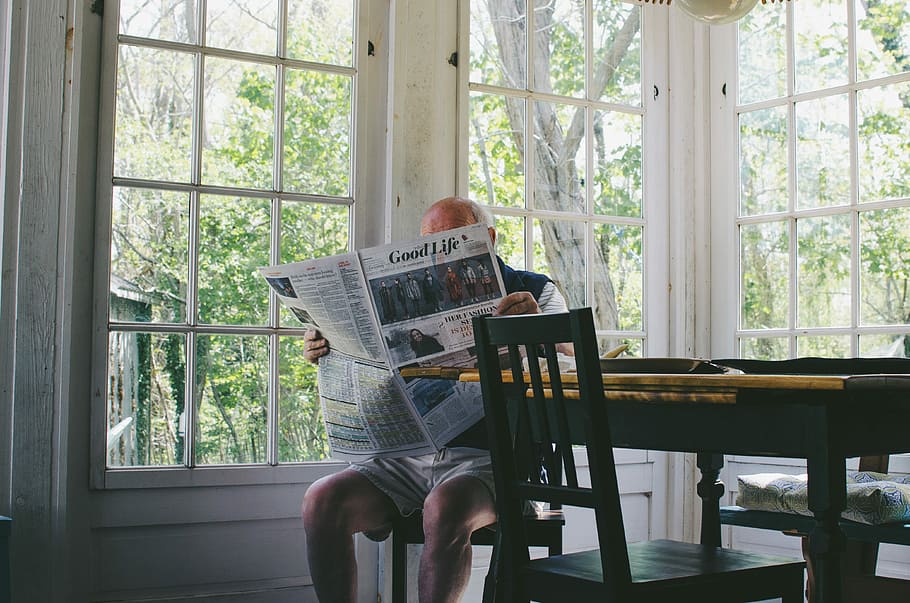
{"x": 795, "y": 592}
{"x": 399, "y": 569}
{"x": 491, "y": 580}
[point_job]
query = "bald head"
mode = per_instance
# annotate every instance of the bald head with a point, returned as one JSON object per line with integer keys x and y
{"x": 455, "y": 212}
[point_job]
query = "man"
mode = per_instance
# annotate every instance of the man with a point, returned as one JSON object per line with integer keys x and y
{"x": 385, "y": 299}
{"x": 453, "y": 487}
{"x": 431, "y": 290}
{"x": 412, "y": 288}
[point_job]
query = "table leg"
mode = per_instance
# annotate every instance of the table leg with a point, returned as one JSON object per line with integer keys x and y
{"x": 827, "y": 499}
{"x": 710, "y": 489}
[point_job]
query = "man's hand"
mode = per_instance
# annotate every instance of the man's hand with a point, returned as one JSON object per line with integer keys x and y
{"x": 314, "y": 345}
{"x": 520, "y": 302}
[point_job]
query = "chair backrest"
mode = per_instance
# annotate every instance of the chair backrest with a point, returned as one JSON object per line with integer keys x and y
{"x": 538, "y": 408}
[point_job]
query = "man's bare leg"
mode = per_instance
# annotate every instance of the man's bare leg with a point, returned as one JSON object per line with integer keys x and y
{"x": 451, "y": 513}
{"x": 334, "y": 509}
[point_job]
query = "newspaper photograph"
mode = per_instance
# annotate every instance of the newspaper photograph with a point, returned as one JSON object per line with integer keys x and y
{"x": 382, "y": 309}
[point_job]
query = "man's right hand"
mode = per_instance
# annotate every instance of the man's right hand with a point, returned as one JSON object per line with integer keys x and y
{"x": 314, "y": 345}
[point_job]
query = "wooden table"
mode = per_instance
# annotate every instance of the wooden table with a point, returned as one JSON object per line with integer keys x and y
{"x": 822, "y": 418}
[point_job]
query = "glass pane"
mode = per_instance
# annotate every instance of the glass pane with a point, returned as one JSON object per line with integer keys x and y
{"x": 882, "y": 38}
{"x": 765, "y": 275}
{"x": 763, "y": 55}
{"x": 885, "y": 345}
{"x": 233, "y": 243}
{"x": 499, "y": 43}
{"x": 173, "y": 20}
{"x": 149, "y": 265}
{"x": 559, "y": 252}
{"x": 496, "y": 170}
{"x": 310, "y": 230}
{"x": 606, "y": 343}
{"x": 883, "y": 115}
{"x": 153, "y": 130}
{"x": 617, "y": 52}
{"x": 823, "y": 260}
{"x": 885, "y": 266}
{"x": 559, "y": 135}
{"x": 301, "y": 431}
{"x": 231, "y": 396}
{"x": 617, "y": 164}
{"x": 763, "y": 161}
{"x": 559, "y": 31}
{"x": 510, "y": 241}
{"x": 823, "y": 152}
{"x": 317, "y": 133}
{"x": 239, "y": 124}
{"x": 321, "y": 31}
{"x": 823, "y": 346}
{"x": 821, "y": 43}
{"x": 243, "y": 25}
{"x": 764, "y": 348}
{"x": 145, "y": 397}
{"x": 617, "y": 277}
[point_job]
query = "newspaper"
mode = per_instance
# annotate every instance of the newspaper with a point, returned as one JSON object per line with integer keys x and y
{"x": 386, "y": 308}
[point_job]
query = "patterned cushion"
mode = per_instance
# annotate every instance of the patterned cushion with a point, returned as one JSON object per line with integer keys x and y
{"x": 872, "y": 498}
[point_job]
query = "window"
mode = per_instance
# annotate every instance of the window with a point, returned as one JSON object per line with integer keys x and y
{"x": 555, "y": 126}
{"x": 822, "y": 222}
{"x": 231, "y": 147}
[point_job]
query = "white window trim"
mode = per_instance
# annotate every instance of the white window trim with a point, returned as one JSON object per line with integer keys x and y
{"x": 369, "y": 143}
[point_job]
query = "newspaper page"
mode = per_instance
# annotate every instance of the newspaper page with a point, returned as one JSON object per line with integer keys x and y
{"x": 425, "y": 293}
{"x": 389, "y": 307}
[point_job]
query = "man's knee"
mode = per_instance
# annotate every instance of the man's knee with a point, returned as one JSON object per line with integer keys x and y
{"x": 453, "y": 513}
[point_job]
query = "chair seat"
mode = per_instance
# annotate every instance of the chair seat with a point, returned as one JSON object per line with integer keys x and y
{"x": 663, "y": 562}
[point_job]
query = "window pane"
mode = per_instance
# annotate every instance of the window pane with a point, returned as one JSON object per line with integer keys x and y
{"x": 605, "y": 343}
{"x": 301, "y": 432}
{"x": 821, "y": 48}
{"x": 317, "y": 133}
{"x": 829, "y": 346}
{"x": 617, "y": 277}
{"x": 322, "y": 31}
{"x": 617, "y": 52}
{"x": 173, "y": 20}
{"x": 883, "y": 38}
{"x": 559, "y": 29}
{"x": 310, "y": 230}
{"x": 617, "y": 164}
{"x": 762, "y": 55}
{"x": 510, "y": 241}
{"x": 559, "y": 134}
{"x": 243, "y": 25}
{"x": 499, "y": 43}
{"x": 239, "y": 124}
{"x": 823, "y": 258}
{"x": 153, "y": 132}
{"x": 559, "y": 252}
{"x": 764, "y": 348}
{"x": 885, "y": 266}
{"x": 233, "y": 243}
{"x": 885, "y": 345}
{"x": 146, "y": 376}
{"x": 149, "y": 255}
{"x": 823, "y": 152}
{"x": 231, "y": 399}
{"x": 884, "y": 148}
{"x": 764, "y": 265}
{"x": 763, "y": 161}
{"x": 496, "y": 170}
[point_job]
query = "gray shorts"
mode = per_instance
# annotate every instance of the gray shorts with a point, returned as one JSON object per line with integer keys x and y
{"x": 408, "y": 480}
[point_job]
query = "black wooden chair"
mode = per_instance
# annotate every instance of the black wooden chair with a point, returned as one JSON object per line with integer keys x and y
{"x": 544, "y": 529}
{"x": 539, "y": 407}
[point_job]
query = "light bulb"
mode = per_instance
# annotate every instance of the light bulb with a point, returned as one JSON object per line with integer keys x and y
{"x": 716, "y": 12}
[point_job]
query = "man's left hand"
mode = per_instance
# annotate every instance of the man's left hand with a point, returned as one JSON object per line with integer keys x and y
{"x": 520, "y": 302}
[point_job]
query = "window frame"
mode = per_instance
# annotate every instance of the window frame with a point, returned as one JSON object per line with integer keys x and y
{"x": 726, "y": 296}
{"x": 654, "y": 109}
{"x": 369, "y": 97}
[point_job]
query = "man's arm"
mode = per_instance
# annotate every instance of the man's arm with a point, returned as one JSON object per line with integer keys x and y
{"x": 523, "y": 302}
{"x": 315, "y": 345}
